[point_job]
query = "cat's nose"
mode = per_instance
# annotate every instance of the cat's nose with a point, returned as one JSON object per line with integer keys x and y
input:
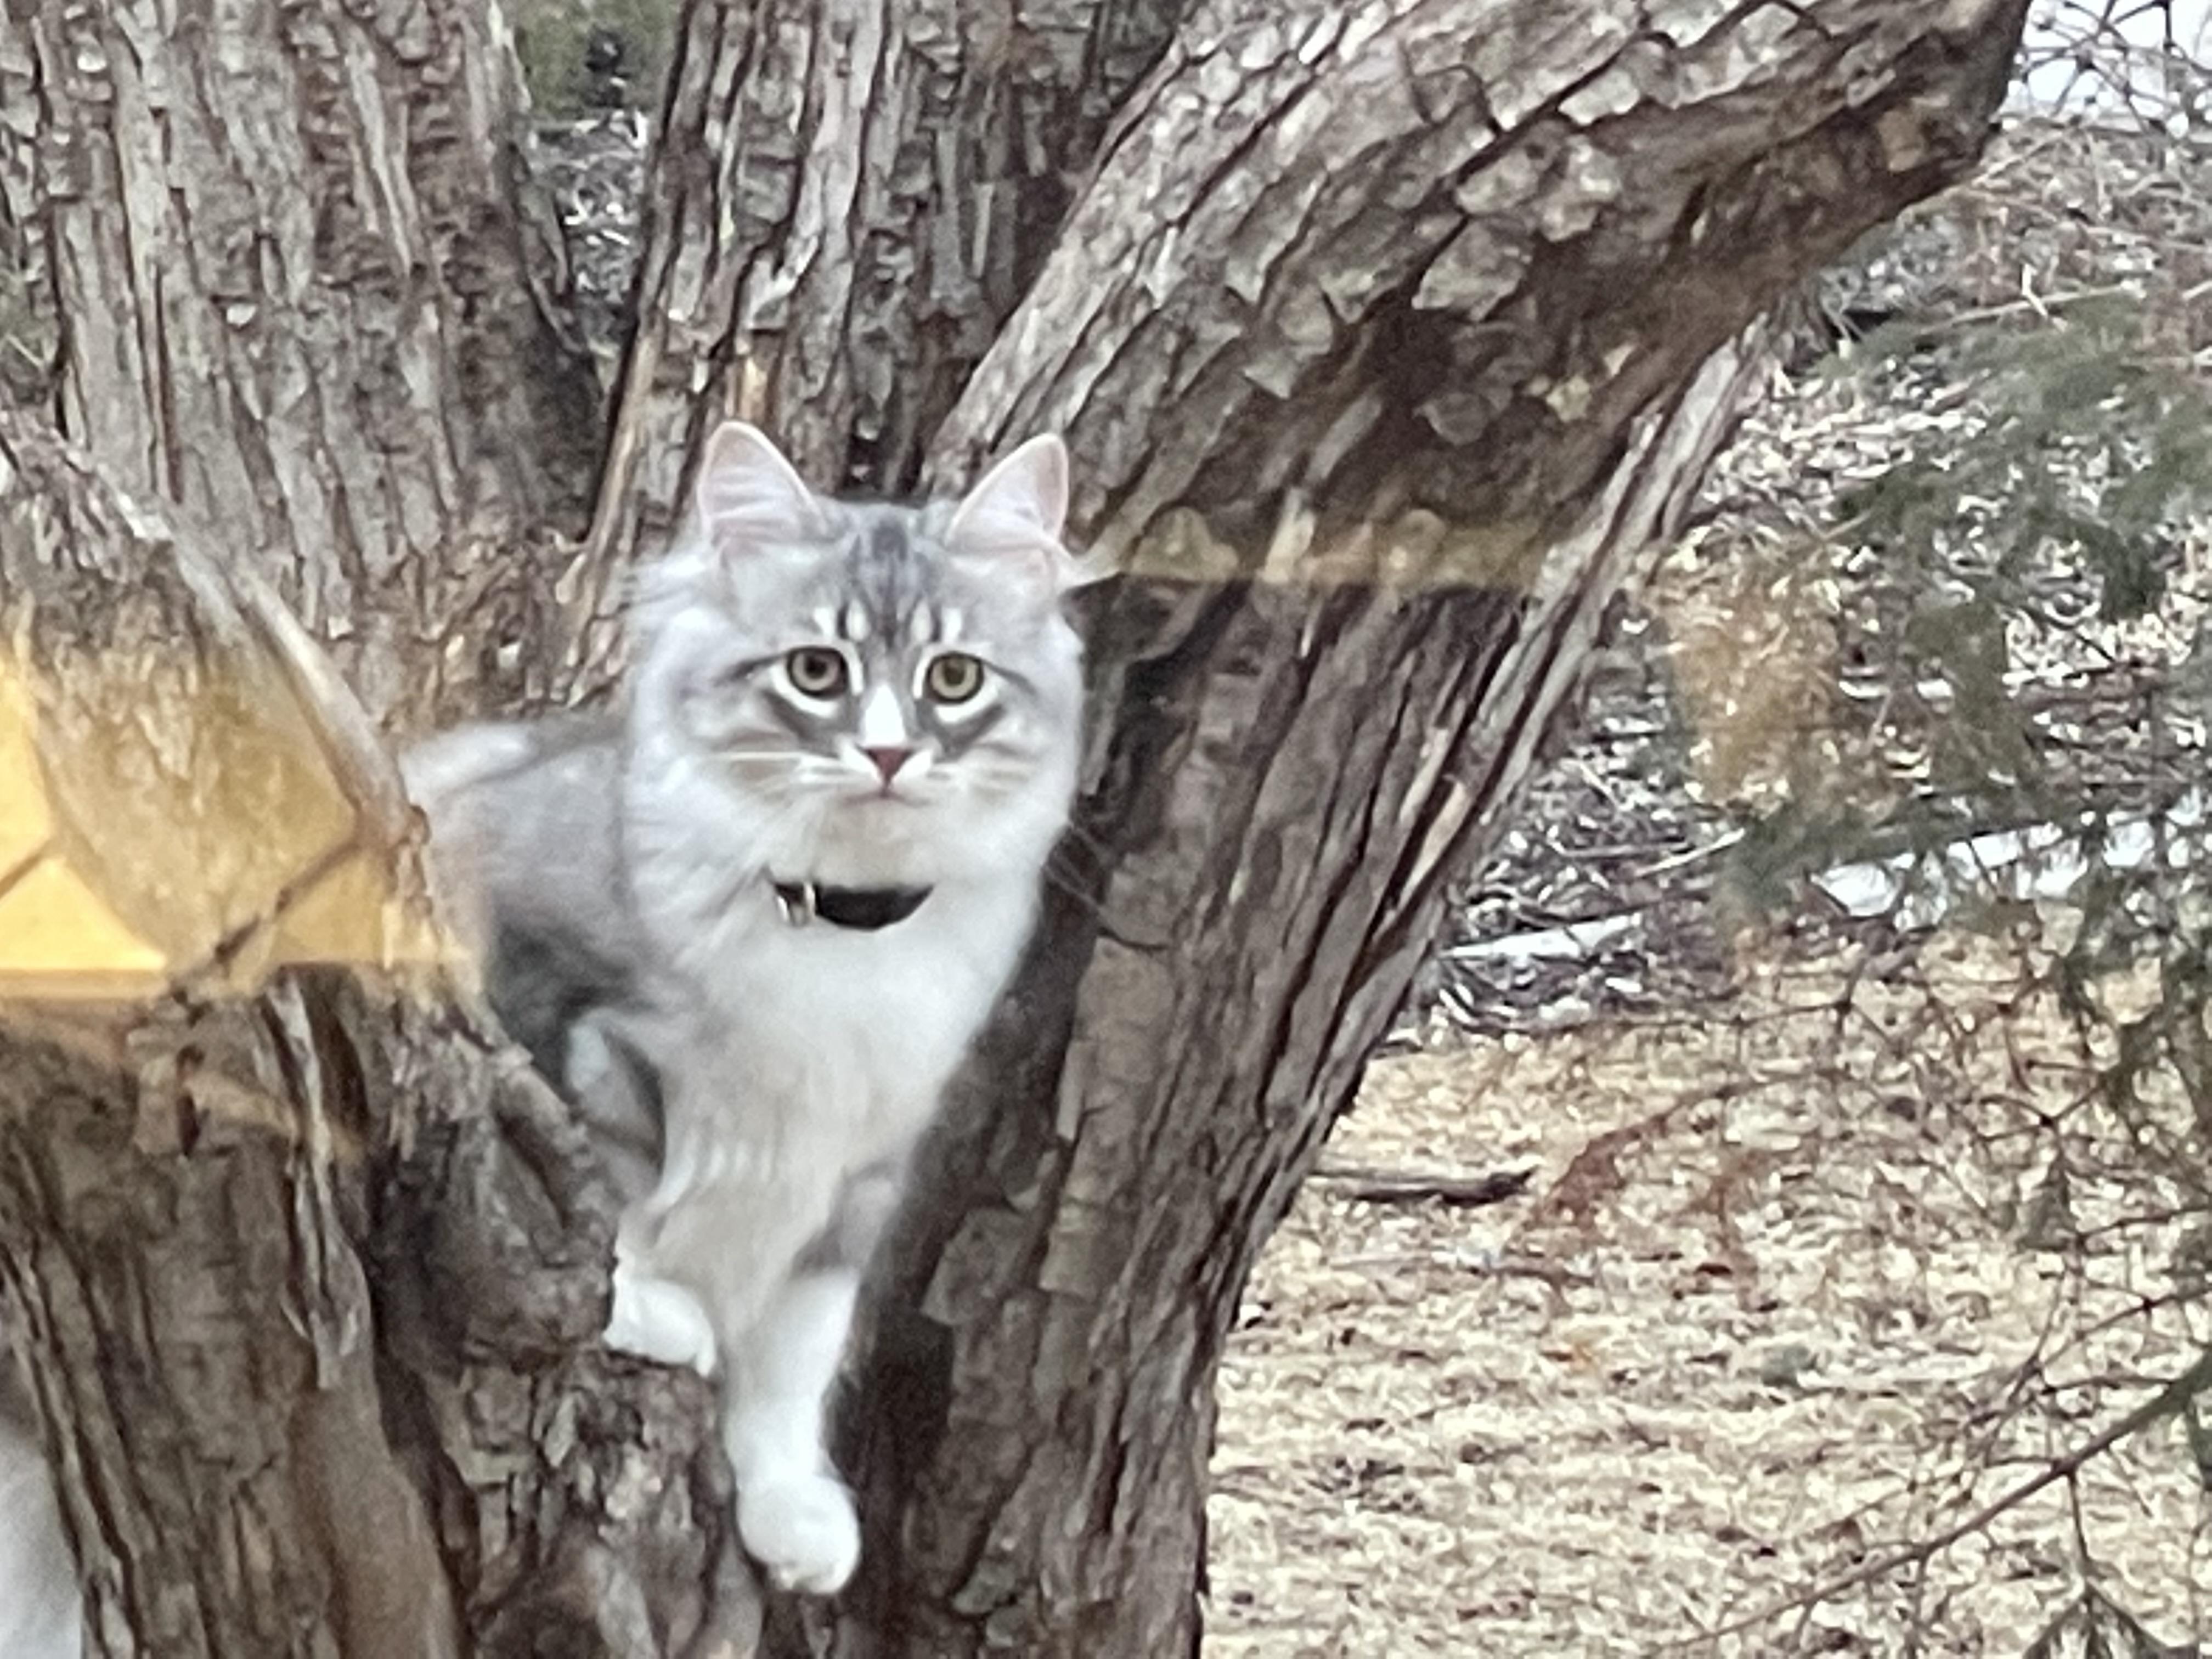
{"x": 888, "y": 758}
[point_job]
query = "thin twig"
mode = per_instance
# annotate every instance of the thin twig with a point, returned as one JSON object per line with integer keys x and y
{"x": 2158, "y": 1406}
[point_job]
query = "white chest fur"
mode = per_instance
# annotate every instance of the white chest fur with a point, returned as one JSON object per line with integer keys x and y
{"x": 819, "y": 1050}
{"x": 789, "y": 1055}
{"x": 861, "y": 1030}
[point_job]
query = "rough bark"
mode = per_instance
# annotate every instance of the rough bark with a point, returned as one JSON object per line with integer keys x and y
{"x": 1386, "y": 335}
{"x": 287, "y": 276}
{"x": 309, "y": 1272}
{"x": 846, "y": 201}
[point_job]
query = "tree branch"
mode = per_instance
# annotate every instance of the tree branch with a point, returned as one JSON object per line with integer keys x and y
{"x": 2170, "y": 1399}
{"x": 300, "y": 288}
{"x": 309, "y": 1275}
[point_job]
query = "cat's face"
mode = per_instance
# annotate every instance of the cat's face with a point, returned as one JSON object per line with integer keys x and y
{"x": 889, "y": 687}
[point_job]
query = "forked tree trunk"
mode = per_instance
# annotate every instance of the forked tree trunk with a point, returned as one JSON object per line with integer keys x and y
{"x": 845, "y": 204}
{"x": 1386, "y": 336}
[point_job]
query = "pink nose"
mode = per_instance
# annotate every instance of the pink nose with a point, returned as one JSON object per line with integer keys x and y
{"x": 889, "y": 760}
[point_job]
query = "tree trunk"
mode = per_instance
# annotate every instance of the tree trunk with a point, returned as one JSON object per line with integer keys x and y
{"x": 1386, "y": 336}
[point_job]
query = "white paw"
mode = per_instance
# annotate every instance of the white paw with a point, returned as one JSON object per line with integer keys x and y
{"x": 801, "y": 1528}
{"x": 661, "y": 1322}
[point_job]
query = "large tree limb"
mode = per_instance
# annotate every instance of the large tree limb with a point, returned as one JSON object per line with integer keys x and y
{"x": 1404, "y": 255}
{"x": 309, "y": 1274}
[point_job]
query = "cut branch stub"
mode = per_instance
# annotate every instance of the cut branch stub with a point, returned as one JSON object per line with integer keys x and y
{"x": 190, "y": 801}
{"x": 236, "y": 1066}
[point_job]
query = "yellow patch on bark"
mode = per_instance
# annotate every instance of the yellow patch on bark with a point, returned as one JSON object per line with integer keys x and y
{"x": 159, "y": 820}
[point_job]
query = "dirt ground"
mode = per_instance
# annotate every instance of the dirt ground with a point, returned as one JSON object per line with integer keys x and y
{"x": 1793, "y": 1286}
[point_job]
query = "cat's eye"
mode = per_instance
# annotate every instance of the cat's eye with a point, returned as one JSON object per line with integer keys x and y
{"x": 815, "y": 671}
{"x": 953, "y": 678}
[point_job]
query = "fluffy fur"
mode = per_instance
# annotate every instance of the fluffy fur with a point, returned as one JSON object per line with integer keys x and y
{"x": 847, "y": 694}
{"x": 38, "y": 1611}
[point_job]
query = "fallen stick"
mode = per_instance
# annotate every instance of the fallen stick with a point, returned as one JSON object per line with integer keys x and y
{"x": 1459, "y": 1192}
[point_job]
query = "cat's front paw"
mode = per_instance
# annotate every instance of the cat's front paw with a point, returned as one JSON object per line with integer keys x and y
{"x": 802, "y": 1530}
{"x": 661, "y": 1322}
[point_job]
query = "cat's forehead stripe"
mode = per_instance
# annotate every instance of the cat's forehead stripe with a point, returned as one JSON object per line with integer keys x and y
{"x": 887, "y": 577}
{"x": 885, "y": 554}
{"x": 891, "y": 593}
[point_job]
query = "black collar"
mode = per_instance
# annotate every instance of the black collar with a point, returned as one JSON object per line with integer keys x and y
{"x": 864, "y": 909}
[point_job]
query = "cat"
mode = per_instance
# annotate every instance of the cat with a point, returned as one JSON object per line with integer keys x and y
{"x": 748, "y": 924}
{"x": 751, "y": 921}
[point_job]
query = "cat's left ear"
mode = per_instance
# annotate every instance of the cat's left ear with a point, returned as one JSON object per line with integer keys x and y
{"x": 1019, "y": 510}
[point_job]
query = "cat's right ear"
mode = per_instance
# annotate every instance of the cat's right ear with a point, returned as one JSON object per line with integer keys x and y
{"x": 748, "y": 495}
{"x": 1015, "y": 515}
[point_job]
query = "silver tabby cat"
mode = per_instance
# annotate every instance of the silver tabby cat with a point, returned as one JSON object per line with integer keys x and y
{"x": 752, "y": 923}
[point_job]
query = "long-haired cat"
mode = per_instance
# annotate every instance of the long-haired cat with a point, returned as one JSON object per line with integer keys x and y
{"x": 751, "y": 921}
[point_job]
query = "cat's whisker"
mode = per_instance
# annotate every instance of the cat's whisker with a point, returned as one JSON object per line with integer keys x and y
{"x": 1010, "y": 779}
{"x": 1067, "y": 888}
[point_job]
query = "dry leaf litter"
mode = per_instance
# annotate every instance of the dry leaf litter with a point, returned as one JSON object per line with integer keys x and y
{"x": 1793, "y": 1285}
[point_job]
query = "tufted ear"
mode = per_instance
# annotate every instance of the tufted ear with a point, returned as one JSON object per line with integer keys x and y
{"x": 747, "y": 493}
{"x": 1017, "y": 511}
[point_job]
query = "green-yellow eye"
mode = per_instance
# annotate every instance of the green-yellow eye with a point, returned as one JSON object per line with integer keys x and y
{"x": 815, "y": 671}
{"x": 953, "y": 678}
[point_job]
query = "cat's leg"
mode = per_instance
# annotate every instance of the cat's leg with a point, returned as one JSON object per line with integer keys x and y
{"x": 794, "y": 1515}
{"x": 617, "y": 1095}
{"x": 616, "y": 1092}
{"x": 659, "y": 1320}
